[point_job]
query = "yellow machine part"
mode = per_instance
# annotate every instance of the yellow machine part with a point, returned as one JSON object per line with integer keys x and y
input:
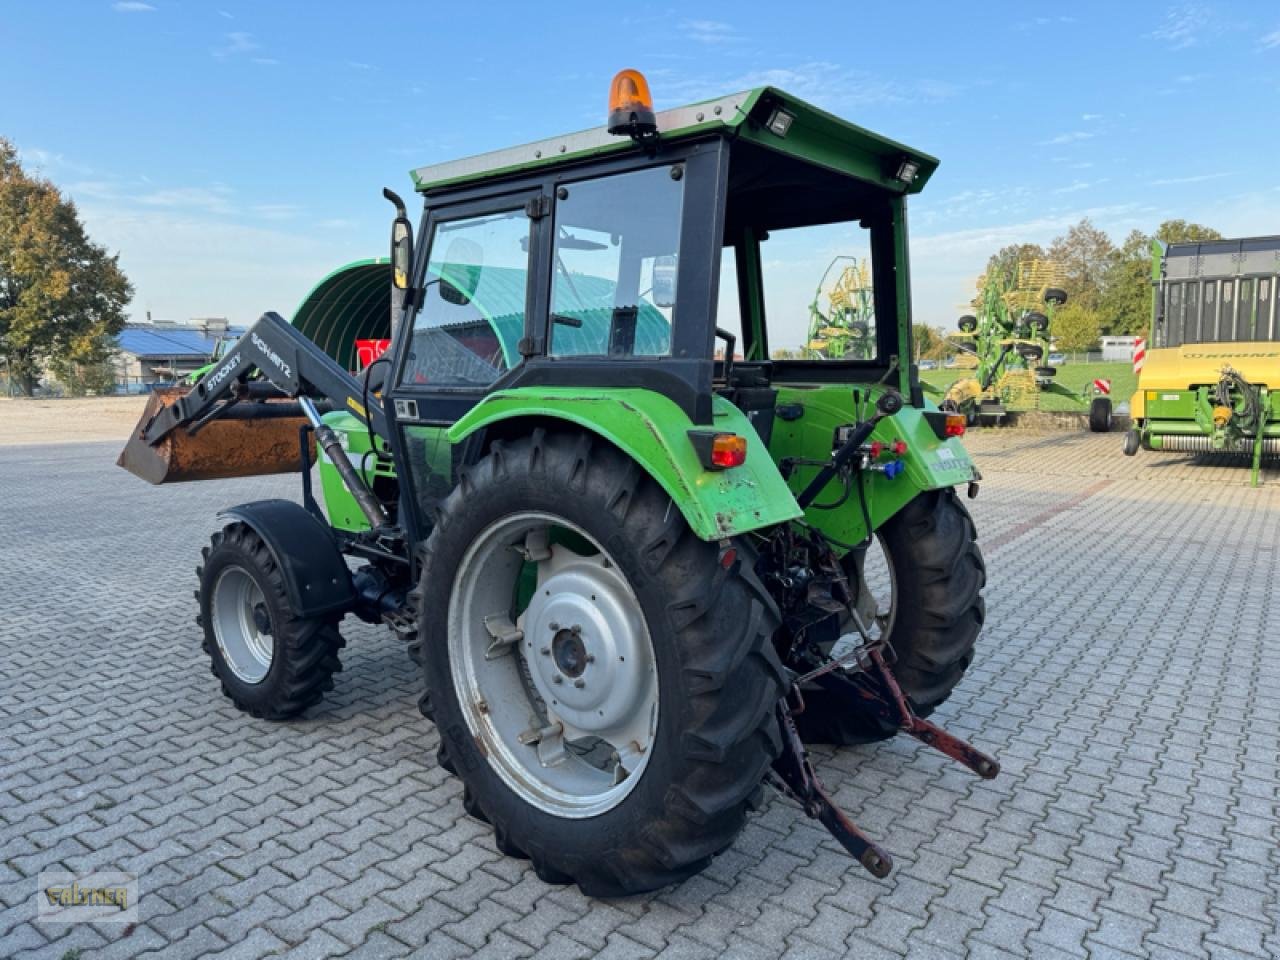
{"x": 1017, "y": 388}
{"x": 966, "y": 360}
{"x": 964, "y": 390}
{"x": 1193, "y": 364}
{"x": 1034, "y": 278}
{"x": 852, "y": 279}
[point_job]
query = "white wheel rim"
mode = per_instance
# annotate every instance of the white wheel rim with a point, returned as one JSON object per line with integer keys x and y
{"x": 242, "y": 625}
{"x": 562, "y": 696}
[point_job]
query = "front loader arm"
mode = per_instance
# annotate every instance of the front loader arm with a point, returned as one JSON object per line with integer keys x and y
{"x": 290, "y": 362}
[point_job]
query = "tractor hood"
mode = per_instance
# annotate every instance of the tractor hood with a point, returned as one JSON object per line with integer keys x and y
{"x": 768, "y": 116}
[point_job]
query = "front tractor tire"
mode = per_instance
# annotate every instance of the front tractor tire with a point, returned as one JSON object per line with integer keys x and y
{"x": 603, "y": 682}
{"x": 270, "y": 662}
{"x": 932, "y": 621}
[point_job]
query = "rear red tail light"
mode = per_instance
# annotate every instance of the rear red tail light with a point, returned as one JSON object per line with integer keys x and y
{"x": 728, "y": 450}
{"x": 719, "y": 451}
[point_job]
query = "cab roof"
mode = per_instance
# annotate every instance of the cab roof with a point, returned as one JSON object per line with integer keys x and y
{"x": 812, "y": 135}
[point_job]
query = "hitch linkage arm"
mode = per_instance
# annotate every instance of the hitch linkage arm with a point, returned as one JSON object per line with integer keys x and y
{"x": 794, "y": 775}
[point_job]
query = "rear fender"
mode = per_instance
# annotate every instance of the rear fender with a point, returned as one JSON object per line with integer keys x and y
{"x": 807, "y": 430}
{"x": 653, "y": 431}
{"x": 316, "y": 579}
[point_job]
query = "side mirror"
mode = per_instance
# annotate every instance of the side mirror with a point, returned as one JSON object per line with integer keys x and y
{"x": 401, "y": 252}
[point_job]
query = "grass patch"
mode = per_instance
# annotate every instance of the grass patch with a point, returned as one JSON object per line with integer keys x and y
{"x": 1074, "y": 376}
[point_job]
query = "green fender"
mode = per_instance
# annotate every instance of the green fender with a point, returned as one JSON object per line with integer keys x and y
{"x": 653, "y": 431}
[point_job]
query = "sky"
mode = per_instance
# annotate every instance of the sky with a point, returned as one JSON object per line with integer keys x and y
{"x": 233, "y": 153}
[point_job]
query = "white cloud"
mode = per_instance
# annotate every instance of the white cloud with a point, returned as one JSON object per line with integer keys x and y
{"x": 224, "y": 13}
{"x": 1071, "y": 137}
{"x": 185, "y": 265}
{"x": 1078, "y": 185}
{"x": 1086, "y": 117}
{"x": 357, "y": 65}
{"x": 132, "y": 6}
{"x": 266, "y": 61}
{"x": 710, "y": 32}
{"x": 1184, "y": 26}
{"x": 209, "y": 199}
{"x": 276, "y": 211}
{"x": 237, "y": 43}
{"x": 1270, "y": 41}
{"x": 826, "y": 84}
{"x": 1199, "y": 178}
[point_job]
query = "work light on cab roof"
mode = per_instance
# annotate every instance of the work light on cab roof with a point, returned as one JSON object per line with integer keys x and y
{"x": 631, "y": 106}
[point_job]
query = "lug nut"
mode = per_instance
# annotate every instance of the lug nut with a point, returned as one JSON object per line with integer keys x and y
{"x": 576, "y": 628}
{"x": 557, "y": 679}
{"x": 591, "y": 658}
{"x": 545, "y": 651}
{"x": 579, "y": 683}
{"x": 553, "y": 626}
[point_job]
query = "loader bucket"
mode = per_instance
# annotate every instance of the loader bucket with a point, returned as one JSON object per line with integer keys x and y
{"x": 256, "y": 438}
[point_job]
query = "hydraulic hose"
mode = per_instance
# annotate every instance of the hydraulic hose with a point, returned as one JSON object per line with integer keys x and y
{"x": 332, "y": 446}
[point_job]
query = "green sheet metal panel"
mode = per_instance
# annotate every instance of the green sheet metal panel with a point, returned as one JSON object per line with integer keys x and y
{"x": 814, "y": 135}
{"x": 653, "y": 431}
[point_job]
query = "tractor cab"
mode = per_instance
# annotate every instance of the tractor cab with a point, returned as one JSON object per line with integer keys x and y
{"x": 672, "y": 256}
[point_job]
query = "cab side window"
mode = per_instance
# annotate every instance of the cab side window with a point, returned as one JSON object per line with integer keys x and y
{"x": 476, "y": 288}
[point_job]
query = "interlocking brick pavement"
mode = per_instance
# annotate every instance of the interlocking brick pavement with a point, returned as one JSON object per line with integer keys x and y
{"x": 1128, "y": 678}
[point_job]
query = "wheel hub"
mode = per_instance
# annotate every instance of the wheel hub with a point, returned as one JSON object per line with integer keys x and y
{"x": 588, "y": 663}
{"x": 563, "y": 697}
{"x": 242, "y": 624}
{"x": 570, "y": 652}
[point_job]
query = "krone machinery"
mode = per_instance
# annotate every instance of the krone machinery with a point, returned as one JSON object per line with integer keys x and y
{"x": 1211, "y": 379}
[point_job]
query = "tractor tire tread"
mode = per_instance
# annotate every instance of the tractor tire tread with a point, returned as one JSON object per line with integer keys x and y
{"x": 731, "y": 684}
{"x": 305, "y": 649}
{"x": 935, "y": 541}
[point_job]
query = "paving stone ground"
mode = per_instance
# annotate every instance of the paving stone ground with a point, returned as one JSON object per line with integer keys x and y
{"x": 1128, "y": 678}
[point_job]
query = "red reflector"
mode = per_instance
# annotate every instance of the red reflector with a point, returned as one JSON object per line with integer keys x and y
{"x": 728, "y": 450}
{"x": 955, "y": 425}
{"x": 877, "y": 448}
{"x": 728, "y": 557}
{"x": 899, "y": 447}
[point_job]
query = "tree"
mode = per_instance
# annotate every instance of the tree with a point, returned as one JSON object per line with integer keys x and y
{"x": 1180, "y": 231}
{"x": 1125, "y": 306}
{"x": 1004, "y": 262}
{"x": 1085, "y": 254}
{"x": 928, "y": 341}
{"x": 62, "y": 297}
{"x": 1075, "y": 327}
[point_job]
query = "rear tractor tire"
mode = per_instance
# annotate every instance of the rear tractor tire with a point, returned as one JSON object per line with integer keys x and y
{"x": 1100, "y": 415}
{"x": 271, "y": 663}
{"x": 603, "y": 681}
{"x": 934, "y": 618}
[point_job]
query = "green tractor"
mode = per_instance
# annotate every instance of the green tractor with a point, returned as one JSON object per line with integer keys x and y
{"x": 636, "y": 579}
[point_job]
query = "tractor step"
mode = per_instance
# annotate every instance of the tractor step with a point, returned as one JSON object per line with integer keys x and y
{"x": 793, "y": 773}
